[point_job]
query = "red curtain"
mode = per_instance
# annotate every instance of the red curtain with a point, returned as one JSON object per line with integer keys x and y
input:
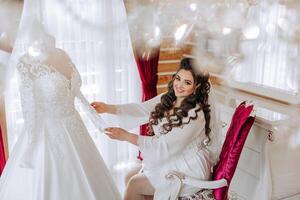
{"x": 147, "y": 66}
{"x": 2, "y": 153}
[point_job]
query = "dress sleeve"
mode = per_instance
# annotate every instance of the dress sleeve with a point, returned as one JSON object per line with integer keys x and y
{"x": 27, "y": 100}
{"x": 96, "y": 119}
{"x": 132, "y": 115}
{"x": 160, "y": 148}
{"x": 30, "y": 115}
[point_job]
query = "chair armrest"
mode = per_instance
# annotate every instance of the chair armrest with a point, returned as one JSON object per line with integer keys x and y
{"x": 205, "y": 184}
{"x": 197, "y": 182}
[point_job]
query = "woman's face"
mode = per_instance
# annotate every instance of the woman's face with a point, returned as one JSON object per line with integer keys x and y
{"x": 184, "y": 83}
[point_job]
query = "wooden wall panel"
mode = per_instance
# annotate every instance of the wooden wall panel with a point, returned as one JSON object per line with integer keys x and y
{"x": 188, "y": 49}
{"x": 169, "y": 54}
{"x": 168, "y": 42}
{"x": 164, "y": 79}
{"x": 169, "y": 61}
{"x": 168, "y": 66}
{"x": 161, "y": 90}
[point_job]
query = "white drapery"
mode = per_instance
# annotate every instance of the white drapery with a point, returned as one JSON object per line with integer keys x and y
{"x": 95, "y": 35}
{"x": 269, "y": 60}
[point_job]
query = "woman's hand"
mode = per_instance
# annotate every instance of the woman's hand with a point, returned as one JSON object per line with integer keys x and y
{"x": 121, "y": 134}
{"x": 101, "y": 107}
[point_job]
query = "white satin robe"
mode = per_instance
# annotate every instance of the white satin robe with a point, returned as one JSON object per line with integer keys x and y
{"x": 177, "y": 150}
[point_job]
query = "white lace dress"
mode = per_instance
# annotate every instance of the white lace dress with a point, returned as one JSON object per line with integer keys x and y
{"x": 54, "y": 158}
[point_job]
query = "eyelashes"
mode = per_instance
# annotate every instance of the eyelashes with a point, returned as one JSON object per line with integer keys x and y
{"x": 185, "y": 82}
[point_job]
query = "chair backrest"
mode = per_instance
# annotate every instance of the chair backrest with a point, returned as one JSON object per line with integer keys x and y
{"x": 236, "y": 136}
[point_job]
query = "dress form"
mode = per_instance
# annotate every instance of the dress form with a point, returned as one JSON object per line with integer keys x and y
{"x": 45, "y": 52}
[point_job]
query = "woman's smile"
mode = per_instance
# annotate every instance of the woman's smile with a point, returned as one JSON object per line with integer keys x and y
{"x": 179, "y": 89}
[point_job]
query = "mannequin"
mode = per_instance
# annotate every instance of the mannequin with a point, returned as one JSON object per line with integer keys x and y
{"x": 43, "y": 50}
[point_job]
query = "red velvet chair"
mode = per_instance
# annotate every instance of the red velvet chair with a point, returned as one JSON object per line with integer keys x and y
{"x": 236, "y": 136}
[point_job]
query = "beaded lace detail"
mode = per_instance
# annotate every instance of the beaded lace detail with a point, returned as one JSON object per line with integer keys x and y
{"x": 48, "y": 96}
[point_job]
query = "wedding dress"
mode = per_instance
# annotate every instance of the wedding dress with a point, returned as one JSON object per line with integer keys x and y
{"x": 54, "y": 158}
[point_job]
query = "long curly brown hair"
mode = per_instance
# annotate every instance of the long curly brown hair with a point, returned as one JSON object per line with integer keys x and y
{"x": 199, "y": 97}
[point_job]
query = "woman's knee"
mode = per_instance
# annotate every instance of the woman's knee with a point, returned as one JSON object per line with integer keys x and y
{"x": 131, "y": 173}
{"x": 132, "y": 190}
{"x": 141, "y": 184}
{"x": 133, "y": 183}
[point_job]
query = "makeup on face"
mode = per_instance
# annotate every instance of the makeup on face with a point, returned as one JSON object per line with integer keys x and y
{"x": 183, "y": 84}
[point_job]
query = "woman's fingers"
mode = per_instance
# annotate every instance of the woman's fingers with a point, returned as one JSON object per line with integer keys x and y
{"x": 99, "y": 107}
{"x": 94, "y": 104}
{"x": 110, "y": 132}
{"x": 113, "y": 132}
{"x": 109, "y": 135}
{"x": 109, "y": 129}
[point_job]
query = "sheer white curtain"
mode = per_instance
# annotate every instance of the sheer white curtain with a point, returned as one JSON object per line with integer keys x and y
{"x": 95, "y": 35}
{"x": 269, "y": 60}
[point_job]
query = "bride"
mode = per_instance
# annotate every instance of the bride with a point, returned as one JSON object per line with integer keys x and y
{"x": 54, "y": 158}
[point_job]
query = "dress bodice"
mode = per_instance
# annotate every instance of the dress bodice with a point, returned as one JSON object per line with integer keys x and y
{"x": 47, "y": 99}
{"x": 46, "y": 89}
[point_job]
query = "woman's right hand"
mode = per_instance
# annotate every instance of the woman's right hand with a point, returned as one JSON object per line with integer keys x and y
{"x": 100, "y": 107}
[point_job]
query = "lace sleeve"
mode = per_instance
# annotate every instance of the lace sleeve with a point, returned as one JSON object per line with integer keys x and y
{"x": 27, "y": 99}
{"x": 95, "y": 118}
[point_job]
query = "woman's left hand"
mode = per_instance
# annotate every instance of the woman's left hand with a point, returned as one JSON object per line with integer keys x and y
{"x": 121, "y": 134}
{"x": 116, "y": 133}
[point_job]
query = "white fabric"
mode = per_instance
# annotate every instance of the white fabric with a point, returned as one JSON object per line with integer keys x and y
{"x": 54, "y": 158}
{"x": 217, "y": 140}
{"x": 264, "y": 187}
{"x": 269, "y": 60}
{"x": 205, "y": 184}
{"x": 4, "y": 56}
{"x": 179, "y": 150}
{"x": 178, "y": 179}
